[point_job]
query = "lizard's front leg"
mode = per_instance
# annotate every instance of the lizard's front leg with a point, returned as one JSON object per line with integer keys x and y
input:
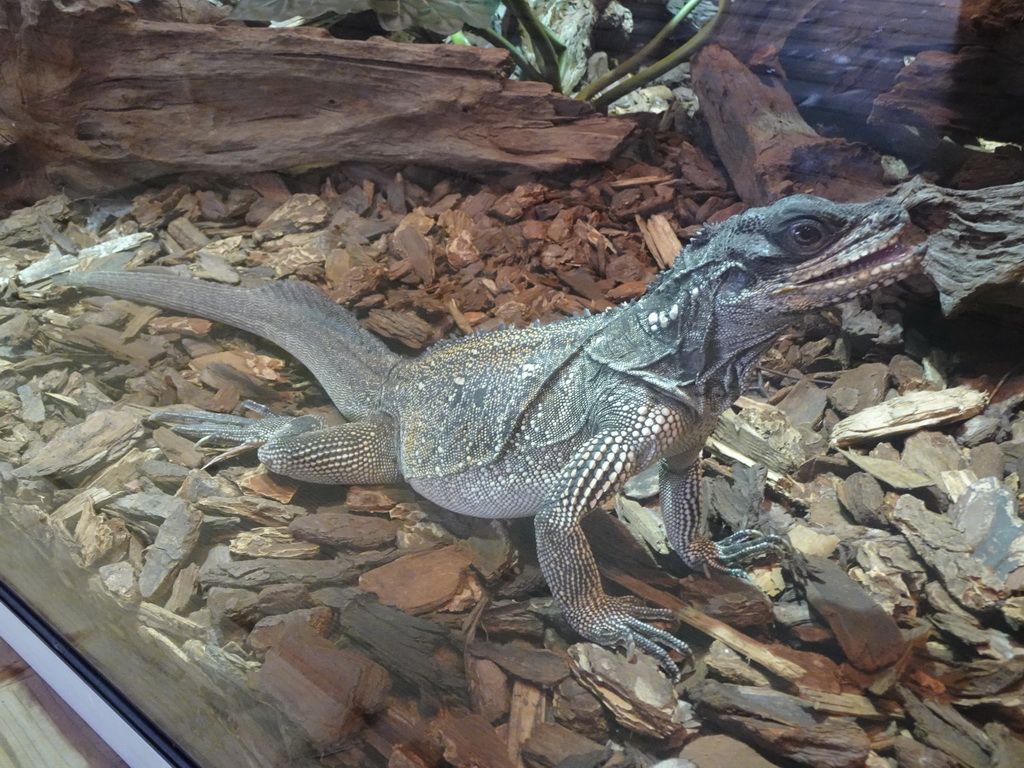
{"x": 301, "y": 447}
{"x": 597, "y": 470}
{"x": 684, "y": 524}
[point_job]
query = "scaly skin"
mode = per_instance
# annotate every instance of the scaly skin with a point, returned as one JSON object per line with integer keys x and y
{"x": 551, "y": 421}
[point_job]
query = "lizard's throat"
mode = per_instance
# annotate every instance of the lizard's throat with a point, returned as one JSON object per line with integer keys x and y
{"x": 732, "y": 359}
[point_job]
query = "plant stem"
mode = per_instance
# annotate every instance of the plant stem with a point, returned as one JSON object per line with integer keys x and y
{"x": 546, "y": 48}
{"x": 674, "y": 59}
{"x": 634, "y": 61}
{"x": 499, "y": 41}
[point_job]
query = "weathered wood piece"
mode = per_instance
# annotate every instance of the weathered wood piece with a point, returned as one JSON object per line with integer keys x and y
{"x": 807, "y": 540}
{"x": 889, "y": 471}
{"x": 377, "y": 498}
{"x": 909, "y": 412}
{"x": 639, "y": 696}
{"x": 858, "y": 388}
{"x": 845, "y": 62}
{"x": 577, "y": 708}
{"x": 952, "y": 93}
{"x": 939, "y": 725}
{"x": 736, "y": 441}
{"x": 99, "y": 539}
{"x": 938, "y": 456}
{"x": 945, "y": 548}
{"x": 913, "y": 753}
{"x": 271, "y": 630}
{"x": 342, "y": 529}
{"x": 329, "y": 691}
{"x": 104, "y": 97}
{"x": 174, "y": 542}
{"x": 271, "y": 542}
{"x": 283, "y": 598}
{"x": 661, "y": 239}
{"x": 471, "y": 742}
{"x": 862, "y": 496}
{"x": 155, "y": 617}
{"x": 804, "y": 404}
{"x": 541, "y": 667}
{"x": 528, "y": 708}
{"x": 988, "y": 513}
{"x": 723, "y": 750}
{"x": 220, "y": 570}
{"x": 266, "y": 485}
{"x": 727, "y": 665}
{"x": 401, "y": 737}
{"x": 645, "y": 523}
{"x": 765, "y": 144}
{"x": 423, "y": 581}
{"x": 488, "y": 688}
{"x": 99, "y": 440}
{"x": 263, "y": 511}
{"x": 411, "y": 648}
{"x": 965, "y": 628}
{"x": 552, "y": 746}
{"x": 756, "y": 651}
{"x": 784, "y": 725}
{"x": 975, "y": 242}
{"x": 868, "y": 635}
{"x": 738, "y": 603}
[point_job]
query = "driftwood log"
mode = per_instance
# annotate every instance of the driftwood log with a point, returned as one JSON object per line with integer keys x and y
{"x": 95, "y": 97}
{"x": 767, "y": 147}
{"x": 975, "y": 242}
{"x": 900, "y": 76}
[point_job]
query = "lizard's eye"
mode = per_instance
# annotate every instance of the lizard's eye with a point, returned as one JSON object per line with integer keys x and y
{"x": 806, "y": 235}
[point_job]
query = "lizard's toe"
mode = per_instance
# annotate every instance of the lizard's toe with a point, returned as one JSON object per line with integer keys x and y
{"x": 236, "y": 430}
{"x": 747, "y": 544}
{"x": 707, "y": 557}
{"x": 206, "y": 425}
{"x": 622, "y": 621}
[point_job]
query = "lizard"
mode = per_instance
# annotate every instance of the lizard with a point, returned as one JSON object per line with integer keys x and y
{"x": 550, "y": 420}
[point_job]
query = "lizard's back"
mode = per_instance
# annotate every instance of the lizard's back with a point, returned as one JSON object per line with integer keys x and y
{"x": 460, "y": 404}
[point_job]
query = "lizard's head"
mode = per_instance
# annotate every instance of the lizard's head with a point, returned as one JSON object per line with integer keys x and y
{"x": 738, "y": 284}
{"x": 805, "y": 252}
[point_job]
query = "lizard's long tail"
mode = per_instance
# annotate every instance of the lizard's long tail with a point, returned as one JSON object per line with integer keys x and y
{"x": 348, "y": 361}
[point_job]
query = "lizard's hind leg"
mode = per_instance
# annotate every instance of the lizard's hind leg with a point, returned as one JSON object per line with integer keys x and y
{"x": 300, "y": 447}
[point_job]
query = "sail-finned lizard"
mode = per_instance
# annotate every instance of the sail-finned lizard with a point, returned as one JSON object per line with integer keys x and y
{"x": 549, "y": 421}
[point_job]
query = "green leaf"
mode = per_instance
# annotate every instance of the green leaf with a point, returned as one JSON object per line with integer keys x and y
{"x": 442, "y": 16}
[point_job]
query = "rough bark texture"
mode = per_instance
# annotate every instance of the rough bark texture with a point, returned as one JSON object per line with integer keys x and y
{"x": 765, "y": 144}
{"x": 898, "y": 76}
{"x": 101, "y": 97}
{"x": 975, "y": 242}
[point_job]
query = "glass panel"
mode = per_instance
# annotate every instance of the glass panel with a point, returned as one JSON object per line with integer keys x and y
{"x": 265, "y": 620}
{"x": 209, "y": 711}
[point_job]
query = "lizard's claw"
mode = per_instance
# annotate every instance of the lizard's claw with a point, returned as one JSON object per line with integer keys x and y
{"x": 707, "y": 556}
{"x": 622, "y": 621}
{"x": 242, "y": 432}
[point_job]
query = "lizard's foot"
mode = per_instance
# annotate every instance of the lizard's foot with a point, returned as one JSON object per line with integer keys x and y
{"x": 704, "y": 555}
{"x": 240, "y": 431}
{"x": 622, "y": 621}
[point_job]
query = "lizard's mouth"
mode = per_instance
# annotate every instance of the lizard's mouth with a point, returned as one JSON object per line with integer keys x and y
{"x": 844, "y": 273}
